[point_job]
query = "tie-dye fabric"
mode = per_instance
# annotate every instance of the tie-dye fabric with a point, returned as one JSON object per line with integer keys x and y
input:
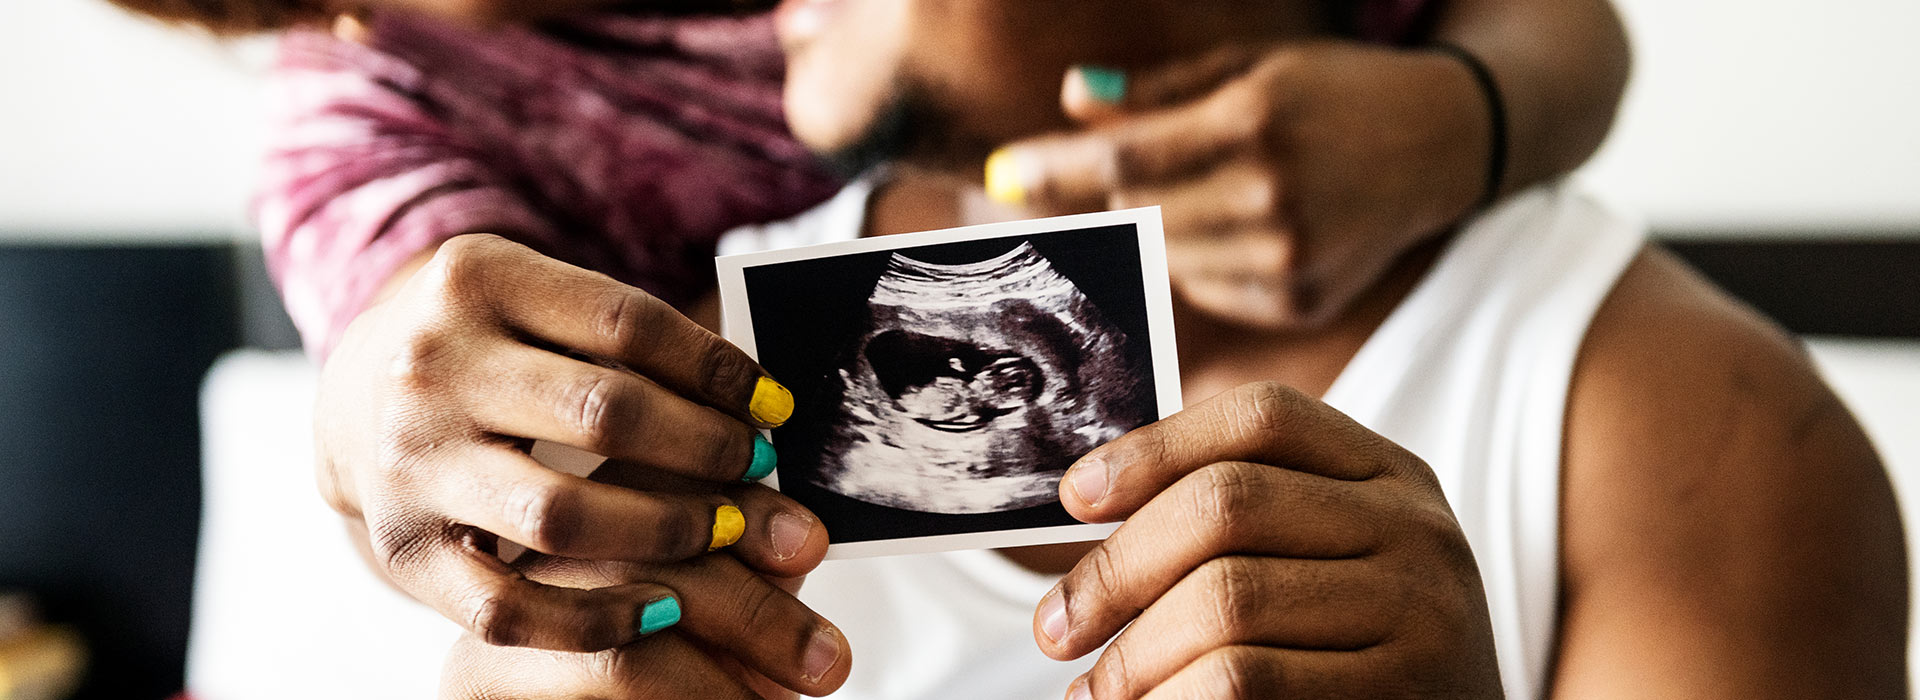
{"x": 625, "y": 144}
{"x": 622, "y": 144}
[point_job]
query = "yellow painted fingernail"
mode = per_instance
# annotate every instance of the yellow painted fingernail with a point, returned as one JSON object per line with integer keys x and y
{"x": 1007, "y": 178}
{"x": 728, "y": 524}
{"x": 772, "y": 404}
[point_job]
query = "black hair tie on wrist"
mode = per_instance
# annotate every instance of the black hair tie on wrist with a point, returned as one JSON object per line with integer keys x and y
{"x": 1497, "y": 111}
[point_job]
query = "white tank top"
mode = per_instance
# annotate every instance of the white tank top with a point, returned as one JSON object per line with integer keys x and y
{"x": 1470, "y": 372}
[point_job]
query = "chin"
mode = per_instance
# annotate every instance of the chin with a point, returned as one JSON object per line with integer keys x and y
{"x": 840, "y": 74}
{"x": 855, "y": 135}
{"x": 832, "y": 111}
{"x": 816, "y": 119}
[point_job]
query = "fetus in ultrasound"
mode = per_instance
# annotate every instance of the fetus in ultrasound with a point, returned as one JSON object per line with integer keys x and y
{"x": 975, "y": 385}
{"x": 950, "y": 385}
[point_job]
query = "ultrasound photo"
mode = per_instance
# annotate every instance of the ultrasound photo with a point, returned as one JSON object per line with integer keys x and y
{"x": 944, "y": 386}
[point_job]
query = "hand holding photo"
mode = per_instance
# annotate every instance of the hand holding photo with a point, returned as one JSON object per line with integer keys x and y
{"x": 944, "y": 381}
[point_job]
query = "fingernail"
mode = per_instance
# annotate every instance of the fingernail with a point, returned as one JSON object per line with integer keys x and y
{"x": 1007, "y": 176}
{"x": 763, "y": 460}
{"x": 821, "y": 654}
{"x": 1107, "y": 85}
{"x": 1089, "y": 480}
{"x": 659, "y": 615}
{"x": 1080, "y": 690}
{"x": 728, "y": 524}
{"x": 1053, "y": 617}
{"x": 772, "y": 404}
{"x": 789, "y": 533}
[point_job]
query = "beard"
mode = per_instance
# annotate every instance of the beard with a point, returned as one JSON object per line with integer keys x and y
{"x": 911, "y": 126}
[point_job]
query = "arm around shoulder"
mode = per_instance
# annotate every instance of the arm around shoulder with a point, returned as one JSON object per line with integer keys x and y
{"x": 1562, "y": 67}
{"x": 1727, "y": 530}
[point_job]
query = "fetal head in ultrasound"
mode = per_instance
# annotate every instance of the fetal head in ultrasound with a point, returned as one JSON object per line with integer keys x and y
{"x": 975, "y": 385}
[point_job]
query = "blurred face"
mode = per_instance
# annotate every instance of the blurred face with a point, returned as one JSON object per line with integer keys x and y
{"x": 941, "y": 82}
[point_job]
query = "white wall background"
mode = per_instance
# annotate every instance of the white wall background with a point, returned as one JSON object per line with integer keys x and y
{"x": 1767, "y": 115}
{"x": 118, "y": 128}
{"x": 1770, "y": 115}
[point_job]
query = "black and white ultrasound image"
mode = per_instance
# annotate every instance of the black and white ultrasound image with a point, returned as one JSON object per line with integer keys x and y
{"x": 945, "y": 389}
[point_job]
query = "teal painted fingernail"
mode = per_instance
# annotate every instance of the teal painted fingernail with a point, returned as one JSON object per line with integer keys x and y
{"x": 659, "y": 615}
{"x": 763, "y": 460}
{"x": 1104, "y": 84}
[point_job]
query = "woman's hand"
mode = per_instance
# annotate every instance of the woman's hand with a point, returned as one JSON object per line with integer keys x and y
{"x": 1272, "y": 547}
{"x": 429, "y": 404}
{"x": 744, "y": 637}
{"x": 1291, "y": 175}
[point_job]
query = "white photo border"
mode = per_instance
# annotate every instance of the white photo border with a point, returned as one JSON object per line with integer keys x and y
{"x": 736, "y": 320}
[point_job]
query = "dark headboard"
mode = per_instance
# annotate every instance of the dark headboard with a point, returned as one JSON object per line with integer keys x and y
{"x": 1866, "y": 285}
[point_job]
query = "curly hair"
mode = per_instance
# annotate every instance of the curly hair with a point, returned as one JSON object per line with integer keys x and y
{"x": 233, "y": 17}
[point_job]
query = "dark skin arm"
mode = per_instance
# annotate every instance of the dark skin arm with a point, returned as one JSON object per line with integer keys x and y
{"x": 1292, "y": 174}
{"x": 1727, "y": 533}
{"x": 1756, "y": 552}
{"x": 1562, "y": 67}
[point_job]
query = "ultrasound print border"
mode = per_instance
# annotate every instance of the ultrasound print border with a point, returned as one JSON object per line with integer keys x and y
{"x": 737, "y": 325}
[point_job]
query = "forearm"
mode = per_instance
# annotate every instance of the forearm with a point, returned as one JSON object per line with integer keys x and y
{"x": 1562, "y": 66}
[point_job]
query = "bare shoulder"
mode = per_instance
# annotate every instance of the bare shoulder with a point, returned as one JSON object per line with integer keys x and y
{"x": 1727, "y": 530}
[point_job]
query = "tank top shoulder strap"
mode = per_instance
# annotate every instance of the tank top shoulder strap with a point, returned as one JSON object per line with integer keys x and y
{"x": 1471, "y": 372}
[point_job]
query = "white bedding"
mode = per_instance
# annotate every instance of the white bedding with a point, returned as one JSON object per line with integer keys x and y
{"x": 1880, "y": 381}
{"x": 283, "y": 606}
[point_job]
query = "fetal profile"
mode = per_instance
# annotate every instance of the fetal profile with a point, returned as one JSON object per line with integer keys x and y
{"x": 974, "y": 385}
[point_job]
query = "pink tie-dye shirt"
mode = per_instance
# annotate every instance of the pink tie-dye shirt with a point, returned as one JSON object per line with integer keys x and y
{"x": 625, "y": 144}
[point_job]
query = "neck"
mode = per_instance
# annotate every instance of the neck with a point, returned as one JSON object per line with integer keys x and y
{"x": 915, "y": 200}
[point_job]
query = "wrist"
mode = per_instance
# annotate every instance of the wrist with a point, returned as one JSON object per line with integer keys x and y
{"x": 1454, "y": 137}
{"x": 1487, "y": 88}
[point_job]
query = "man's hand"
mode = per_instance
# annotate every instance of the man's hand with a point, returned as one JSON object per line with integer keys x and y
{"x": 1272, "y": 548}
{"x": 1291, "y": 175}
{"x": 428, "y": 405}
{"x": 743, "y": 637}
